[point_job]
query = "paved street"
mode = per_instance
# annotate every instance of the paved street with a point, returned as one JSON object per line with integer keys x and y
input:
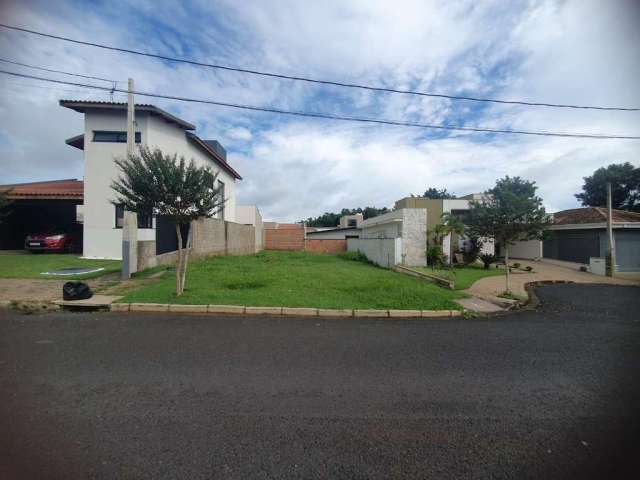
{"x": 552, "y": 394}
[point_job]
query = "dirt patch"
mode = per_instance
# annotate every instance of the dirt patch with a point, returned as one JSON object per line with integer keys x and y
{"x": 37, "y": 290}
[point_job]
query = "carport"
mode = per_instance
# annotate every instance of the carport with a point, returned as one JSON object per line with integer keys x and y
{"x": 38, "y": 207}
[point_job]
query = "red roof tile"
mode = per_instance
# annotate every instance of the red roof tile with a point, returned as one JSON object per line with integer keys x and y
{"x": 69, "y": 188}
{"x": 579, "y": 216}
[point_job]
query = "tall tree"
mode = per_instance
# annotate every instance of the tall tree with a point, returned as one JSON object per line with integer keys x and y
{"x": 510, "y": 212}
{"x": 4, "y": 204}
{"x": 625, "y": 187}
{"x": 434, "y": 193}
{"x": 168, "y": 186}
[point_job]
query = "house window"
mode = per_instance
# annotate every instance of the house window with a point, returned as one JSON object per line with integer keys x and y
{"x": 113, "y": 137}
{"x": 221, "y": 211}
{"x": 352, "y": 222}
{"x": 145, "y": 220}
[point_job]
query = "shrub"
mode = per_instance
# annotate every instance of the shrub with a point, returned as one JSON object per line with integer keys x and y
{"x": 435, "y": 257}
{"x": 474, "y": 247}
{"x": 354, "y": 256}
{"x": 528, "y": 268}
{"x": 516, "y": 265}
{"x": 488, "y": 259}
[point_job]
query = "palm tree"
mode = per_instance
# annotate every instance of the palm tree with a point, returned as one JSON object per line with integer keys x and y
{"x": 452, "y": 225}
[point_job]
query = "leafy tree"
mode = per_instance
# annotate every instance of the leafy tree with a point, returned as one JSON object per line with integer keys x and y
{"x": 168, "y": 186}
{"x": 328, "y": 219}
{"x": 625, "y": 187}
{"x": 4, "y": 204}
{"x": 434, "y": 193}
{"x": 511, "y": 212}
{"x": 450, "y": 224}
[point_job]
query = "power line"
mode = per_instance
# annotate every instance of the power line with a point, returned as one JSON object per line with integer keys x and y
{"x": 331, "y": 116}
{"x": 57, "y": 71}
{"x": 317, "y": 81}
{"x": 57, "y": 89}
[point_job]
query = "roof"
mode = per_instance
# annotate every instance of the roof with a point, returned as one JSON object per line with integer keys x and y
{"x": 590, "y": 215}
{"x": 83, "y": 105}
{"x": 336, "y": 229}
{"x": 67, "y": 189}
{"x": 214, "y": 154}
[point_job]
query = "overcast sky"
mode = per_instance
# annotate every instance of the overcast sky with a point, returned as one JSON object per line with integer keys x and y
{"x": 580, "y": 52}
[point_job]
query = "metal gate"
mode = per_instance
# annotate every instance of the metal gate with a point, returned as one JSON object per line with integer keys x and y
{"x": 572, "y": 246}
{"x": 166, "y": 240}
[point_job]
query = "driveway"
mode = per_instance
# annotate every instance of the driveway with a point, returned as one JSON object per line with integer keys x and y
{"x": 550, "y": 394}
{"x": 491, "y": 287}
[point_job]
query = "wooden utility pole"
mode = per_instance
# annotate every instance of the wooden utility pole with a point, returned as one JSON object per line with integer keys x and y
{"x": 611, "y": 254}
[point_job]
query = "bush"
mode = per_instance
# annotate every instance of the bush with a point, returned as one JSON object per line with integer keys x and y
{"x": 474, "y": 247}
{"x": 435, "y": 257}
{"x": 528, "y": 268}
{"x": 488, "y": 259}
{"x": 354, "y": 256}
{"x": 516, "y": 265}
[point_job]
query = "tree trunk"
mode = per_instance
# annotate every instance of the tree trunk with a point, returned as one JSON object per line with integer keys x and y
{"x": 186, "y": 256}
{"x": 179, "y": 264}
{"x": 506, "y": 264}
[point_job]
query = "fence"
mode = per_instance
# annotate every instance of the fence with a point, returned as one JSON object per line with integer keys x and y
{"x": 325, "y": 245}
{"x": 385, "y": 252}
{"x": 210, "y": 237}
{"x": 284, "y": 238}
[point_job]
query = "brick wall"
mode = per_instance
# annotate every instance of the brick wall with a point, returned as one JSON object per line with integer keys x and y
{"x": 326, "y": 246}
{"x": 284, "y": 238}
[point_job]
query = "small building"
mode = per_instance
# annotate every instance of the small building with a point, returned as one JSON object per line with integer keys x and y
{"x": 351, "y": 221}
{"x": 104, "y": 139}
{"x": 392, "y": 238}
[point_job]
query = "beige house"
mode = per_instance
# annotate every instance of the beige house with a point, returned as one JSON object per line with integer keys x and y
{"x": 435, "y": 208}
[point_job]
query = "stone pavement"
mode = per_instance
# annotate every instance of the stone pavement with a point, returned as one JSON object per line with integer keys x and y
{"x": 490, "y": 287}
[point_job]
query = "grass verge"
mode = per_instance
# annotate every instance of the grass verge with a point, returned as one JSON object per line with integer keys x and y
{"x": 463, "y": 277}
{"x": 33, "y": 265}
{"x": 297, "y": 279}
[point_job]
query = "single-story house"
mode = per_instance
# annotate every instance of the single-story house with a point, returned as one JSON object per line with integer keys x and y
{"x": 104, "y": 139}
{"x": 435, "y": 208}
{"x": 38, "y": 207}
{"x": 579, "y": 234}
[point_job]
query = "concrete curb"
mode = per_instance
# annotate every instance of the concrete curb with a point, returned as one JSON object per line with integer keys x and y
{"x": 281, "y": 311}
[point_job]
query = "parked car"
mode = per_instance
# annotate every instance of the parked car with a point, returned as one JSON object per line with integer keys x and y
{"x": 54, "y": 240}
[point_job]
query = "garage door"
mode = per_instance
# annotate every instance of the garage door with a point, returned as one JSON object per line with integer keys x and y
{"x": 573, "y": 246}
{"x": 628, "y": 250}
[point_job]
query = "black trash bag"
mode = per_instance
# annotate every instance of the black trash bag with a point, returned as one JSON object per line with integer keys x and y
{"x": 76, "y": 291}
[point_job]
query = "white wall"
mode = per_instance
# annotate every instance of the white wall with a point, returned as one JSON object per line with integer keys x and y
{"x": 339, "y": 234}
{"x": 409, "y": 224}
{"x": 527, "y": 249}
{"x": 172, "y": 139}
{"x": 101, "y": 238}
{"x": 385, "y": 252}
{"x": 250, "y": 215}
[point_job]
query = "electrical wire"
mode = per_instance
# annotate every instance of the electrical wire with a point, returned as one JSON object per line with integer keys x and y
{"x": 318, "y": 81}
{"x": 331, "y": 116}
{"x": 57, "y": 71}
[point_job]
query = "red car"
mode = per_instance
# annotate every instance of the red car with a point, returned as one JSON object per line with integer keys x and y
{"x": 54, "y": 241}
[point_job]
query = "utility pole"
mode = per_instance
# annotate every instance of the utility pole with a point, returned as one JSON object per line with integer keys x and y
{"x": 130, "y": 220}
{"x": 611, "y": 254}
{"x": 131, "y": 120}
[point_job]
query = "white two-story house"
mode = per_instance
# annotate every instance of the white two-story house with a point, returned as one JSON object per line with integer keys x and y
{"x": 105, "y": 139}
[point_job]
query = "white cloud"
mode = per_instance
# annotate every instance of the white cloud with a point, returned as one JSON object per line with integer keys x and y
{"x": 571, "y": 52}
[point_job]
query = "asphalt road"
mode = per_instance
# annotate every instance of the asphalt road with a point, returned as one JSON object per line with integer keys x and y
{"x": 552, "y": 393}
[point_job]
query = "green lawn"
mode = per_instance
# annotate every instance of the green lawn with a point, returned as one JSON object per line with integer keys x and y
{"x": 297, "y": 279}
{"x": 31, "y": 265}
{"x": 463, "y": 277}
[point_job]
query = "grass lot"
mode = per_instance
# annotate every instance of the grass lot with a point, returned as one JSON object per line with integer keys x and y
{"x": 463, "y": 277}
{"x": 297, "y": 279}
{"x": 31, "y": 265}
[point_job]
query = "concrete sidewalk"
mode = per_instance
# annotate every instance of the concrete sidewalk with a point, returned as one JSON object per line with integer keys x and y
{"x": 491, "y": 287}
